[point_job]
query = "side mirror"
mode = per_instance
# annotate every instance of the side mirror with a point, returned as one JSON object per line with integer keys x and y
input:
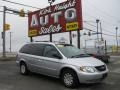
{"x": 57, "y": 56}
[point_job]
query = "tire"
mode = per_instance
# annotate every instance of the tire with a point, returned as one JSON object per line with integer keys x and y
{"x": 23, "y": 69}
{"x": 69, "y": 78}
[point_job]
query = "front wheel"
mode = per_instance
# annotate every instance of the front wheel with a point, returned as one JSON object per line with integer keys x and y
{"x": 69, "y": 78}
{"x": 23, "y": 69}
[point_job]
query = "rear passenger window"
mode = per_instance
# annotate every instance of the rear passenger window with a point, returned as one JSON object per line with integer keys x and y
{"x": 33, "y": 49}
{"x": 37, "y": 49}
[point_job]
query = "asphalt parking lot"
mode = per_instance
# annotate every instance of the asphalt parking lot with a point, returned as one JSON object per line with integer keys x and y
{"x": 11, "y": 79}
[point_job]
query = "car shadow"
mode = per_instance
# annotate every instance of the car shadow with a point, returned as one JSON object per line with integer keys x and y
{"x": 57, "y": 82}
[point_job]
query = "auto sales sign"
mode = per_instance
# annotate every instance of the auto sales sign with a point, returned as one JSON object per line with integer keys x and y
{"x": 63, "y": 17}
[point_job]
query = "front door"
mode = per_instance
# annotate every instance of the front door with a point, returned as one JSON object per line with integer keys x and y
{"x": 52, "y": 60}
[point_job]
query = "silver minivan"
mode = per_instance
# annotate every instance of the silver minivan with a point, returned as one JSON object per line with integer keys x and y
{"x": 63, "y": 61}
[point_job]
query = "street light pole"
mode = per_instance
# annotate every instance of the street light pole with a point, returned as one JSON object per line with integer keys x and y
{"x": 116, "y": 37}
{"x": 70, "y": 35}
{"x": 50, "y": 32}
{"x": 51, "y": 1}
{"x": 85, "y": 45}
{"x": 97, "y": 21}
{"x": 31, "y": 39}
{"x": 78, "y": 38}
{"x": 101, "y": 32}
{"x": 3, "y": 34}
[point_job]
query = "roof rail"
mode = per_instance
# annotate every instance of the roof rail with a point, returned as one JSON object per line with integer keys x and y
{"x": 41, "y": 41}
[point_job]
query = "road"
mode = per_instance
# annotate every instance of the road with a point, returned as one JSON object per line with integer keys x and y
{"x": 11, "y": 79}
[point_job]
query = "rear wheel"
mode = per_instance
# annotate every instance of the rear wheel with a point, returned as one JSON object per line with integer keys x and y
{"x": 69, "y": 78}
{"x": 23, "y": 69}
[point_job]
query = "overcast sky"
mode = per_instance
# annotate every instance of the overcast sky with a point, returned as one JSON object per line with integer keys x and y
{"x": 105, "y": 10}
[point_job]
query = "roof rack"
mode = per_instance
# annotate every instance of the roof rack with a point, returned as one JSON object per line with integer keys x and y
{"x": 56, "y": 42}
{"x": 41, "y": 41}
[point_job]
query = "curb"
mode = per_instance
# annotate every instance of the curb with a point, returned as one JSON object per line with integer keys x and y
{"x": 115, "y": 56}
{"x": 7, "y": 59}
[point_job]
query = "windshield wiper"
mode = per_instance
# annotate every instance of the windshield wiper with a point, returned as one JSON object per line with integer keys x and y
{"x": 80, "y": 55}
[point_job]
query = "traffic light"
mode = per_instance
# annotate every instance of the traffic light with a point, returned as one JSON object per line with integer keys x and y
{"x": 22, "y": 13}
{"x": 7, "y": 27}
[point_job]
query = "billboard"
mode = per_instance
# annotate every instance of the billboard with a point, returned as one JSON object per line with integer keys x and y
{"x": 62, "y": 17}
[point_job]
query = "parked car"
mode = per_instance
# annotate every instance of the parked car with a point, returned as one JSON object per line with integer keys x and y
{"x": 63, "y": 61}
{"x": 101, "y": 56}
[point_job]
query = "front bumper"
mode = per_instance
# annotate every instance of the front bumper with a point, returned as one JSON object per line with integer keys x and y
{"x": 92, "y": 77}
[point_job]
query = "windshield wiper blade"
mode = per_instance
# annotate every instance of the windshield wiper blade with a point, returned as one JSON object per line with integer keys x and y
{"x": 80, "y": 55}
{"x": 75, "y": 56}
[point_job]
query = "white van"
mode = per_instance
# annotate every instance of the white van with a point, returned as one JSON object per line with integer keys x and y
{"x": 61, "y": 61}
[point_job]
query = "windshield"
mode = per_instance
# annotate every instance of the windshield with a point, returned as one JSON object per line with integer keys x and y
{"x": 71, "y": 52}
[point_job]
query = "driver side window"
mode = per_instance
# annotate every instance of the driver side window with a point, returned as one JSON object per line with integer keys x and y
{"x": 50, "y": 52}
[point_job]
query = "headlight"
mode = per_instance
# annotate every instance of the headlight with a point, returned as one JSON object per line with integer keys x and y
{"x": 88, "y": 69}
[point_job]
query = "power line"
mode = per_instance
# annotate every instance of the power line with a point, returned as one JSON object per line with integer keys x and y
{"x": 103, "y": 12}
{"x": 36, "y": 7}
{"x": 106, "y": 22}
{"x": 86, "y": 13}
{"x": 89, "y": 21}
{"x": 102, "y": 33}
{"x": 83, "y": 21}
{"x": 20, "y": 4}
{"x": 90, "y": 24}
{"x": 11, "y": 13}
{"x": 96, "y": 27}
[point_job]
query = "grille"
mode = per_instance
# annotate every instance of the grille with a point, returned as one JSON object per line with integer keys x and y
{"x": 101, "y": 68}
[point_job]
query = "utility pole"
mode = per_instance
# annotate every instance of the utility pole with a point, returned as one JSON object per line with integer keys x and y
{"x": 97, "y": 21}
{"x": 10, "y": 42}
{"x": 3, "y": 34}
{"x": 117, "y": 37}
{"x": 101, "y": 32}
{"x": 105, "y": 47}
{"x": 31, "y": 39}
{"x": 70, "y": 35}
{"x": 78, "y": 40}
{"x": 85, "y": 45}
{"x": 50, "y": 2}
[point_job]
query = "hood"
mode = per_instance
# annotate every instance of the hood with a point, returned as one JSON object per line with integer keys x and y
{"x": 85, "y": 61}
